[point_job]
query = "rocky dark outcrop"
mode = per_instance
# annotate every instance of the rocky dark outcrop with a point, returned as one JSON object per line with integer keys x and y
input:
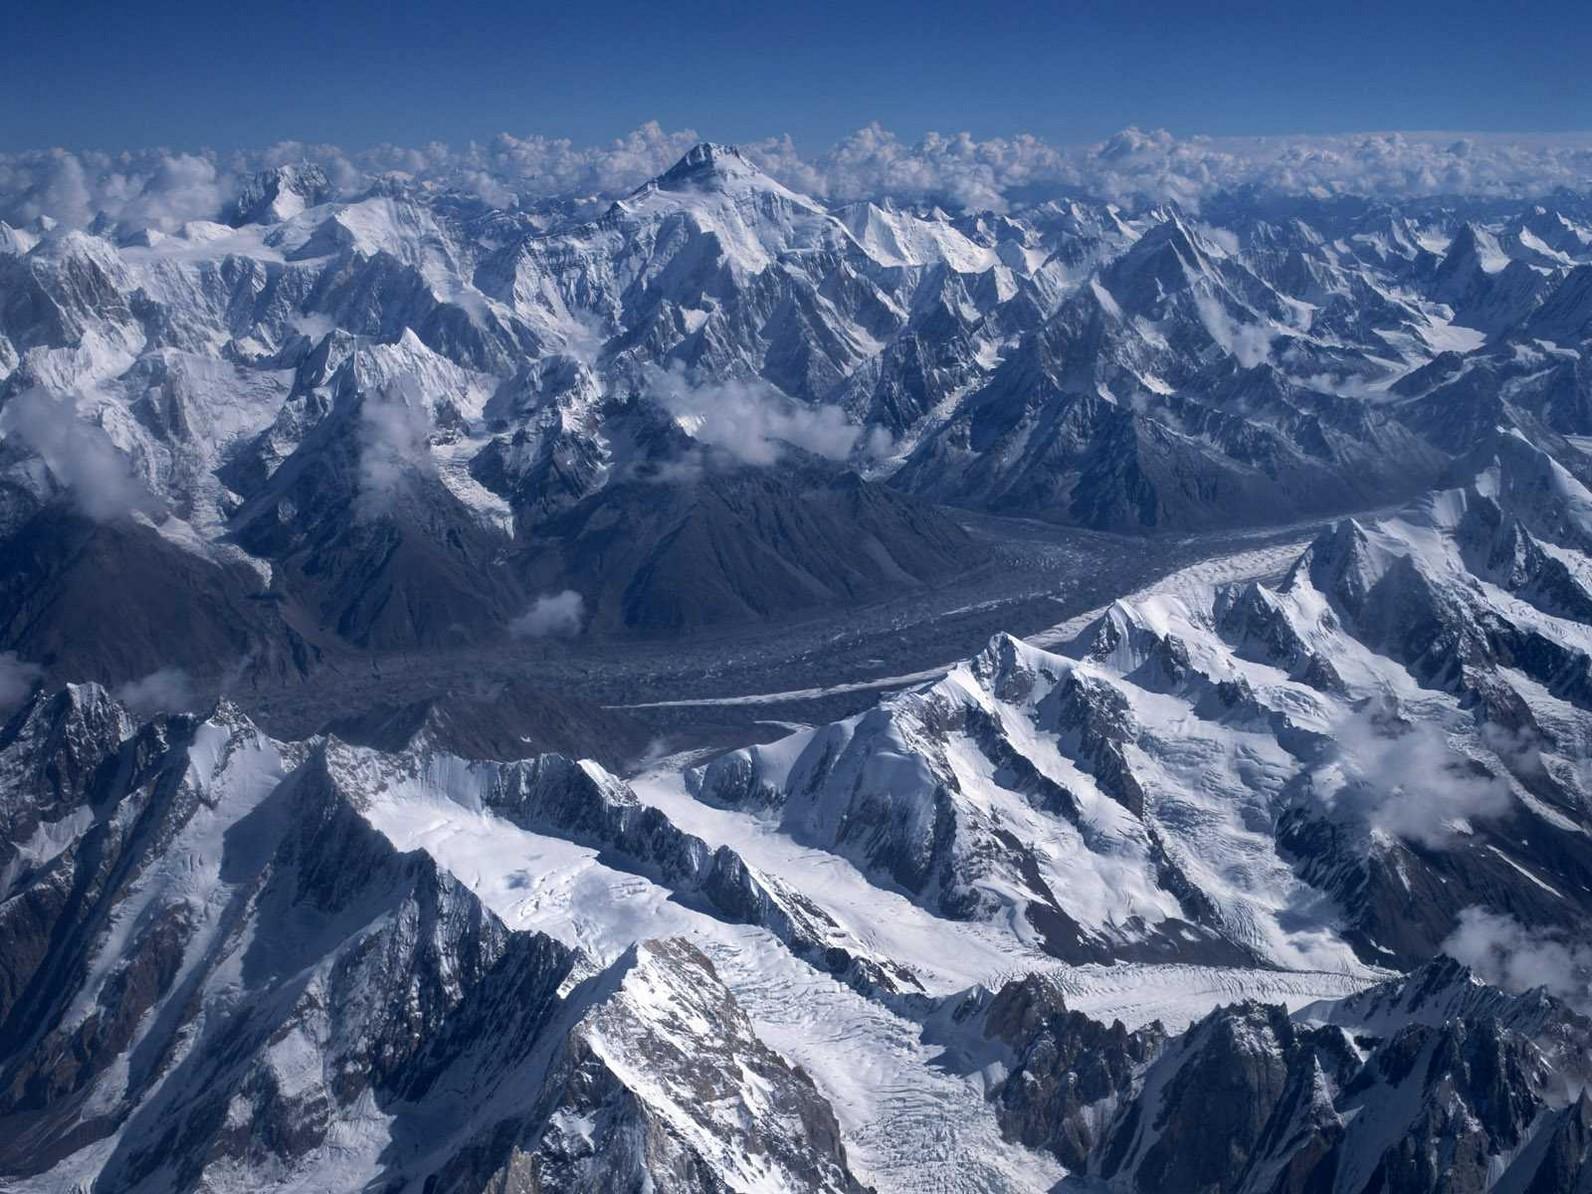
{"x": 502, "y": 721}
{"x": 1068, "y": 1073}
{"x": 273, "y": 195}
{"x": 98, "y": 600}
{"x": 1225, "y": 1098}
{"x": 793, "y": 1131}
{"x": 1431, "y": 1083}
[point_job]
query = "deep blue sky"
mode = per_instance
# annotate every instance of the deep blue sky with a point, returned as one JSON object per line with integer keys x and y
{"x": 92, "y": 75}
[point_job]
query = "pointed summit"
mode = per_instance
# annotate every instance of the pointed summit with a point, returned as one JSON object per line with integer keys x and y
{"x": 709, "y": 171}
{"x": 1554, "y": 231}
{"x": 272, "y": 196}
{"x": 744, "y": 216}
{"x": 1531, "y": 485}
{"x": 1343, "y": 564}
{"x": 1168, "y": 259}
{"x": 709, "y": 166}
{"x": 1471, "y": 251}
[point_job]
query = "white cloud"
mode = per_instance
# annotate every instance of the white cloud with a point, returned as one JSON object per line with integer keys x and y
{"x": 1507, "y": 954}
{"x": 1158, "y": 166}
{"x": 78, "y": 453}
{"x": 1248, "y": 343}
{"x": 880, "y": 444}
{"x": 751, "y": 420}
{"x": 394, "y": 439}
{"x": 167, "y": 690}
{"x": 159, "y": 188}
{"x": 552, "y": 615}
{"x": 17, "y": 678}
{"x": 1405, "y": 779}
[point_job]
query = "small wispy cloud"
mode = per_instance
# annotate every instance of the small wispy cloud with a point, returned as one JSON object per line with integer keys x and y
{"x": 1508, "y": 954}
{"x": 1248, "y": 343}
{"x": 552, "y": 615}
{"x": 750, "y": 420}
{"x": 1405, "y": 778}
{"x": 395, "y": 425}
{"x": 78, "y": 453}
{"x": 167, "y": 690}
{"x": 17, "y": 678}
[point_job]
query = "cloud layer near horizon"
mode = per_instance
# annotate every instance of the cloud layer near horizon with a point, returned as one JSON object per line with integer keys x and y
{"x": 159, "y": 188}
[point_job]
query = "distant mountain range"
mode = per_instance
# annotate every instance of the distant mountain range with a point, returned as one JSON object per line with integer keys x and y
{"x": 399, "y": 419}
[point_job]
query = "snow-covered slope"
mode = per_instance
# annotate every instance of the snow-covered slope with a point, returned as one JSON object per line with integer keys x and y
{"x": 222, "y": 971}
{"x": 1331, "y": 766}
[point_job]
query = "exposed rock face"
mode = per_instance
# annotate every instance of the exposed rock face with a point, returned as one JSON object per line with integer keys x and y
{"x": 70, "y": 578}
{"x": 600, "y": 1134}
{"x": 280, "y": 194}
{"x": 1068, "y": 1073}
{"x": 1426, "y": 1083}
{"x": 506, "y": 722}
{"x": 1241, "y": 1079}
{"x": 738, "y": 544}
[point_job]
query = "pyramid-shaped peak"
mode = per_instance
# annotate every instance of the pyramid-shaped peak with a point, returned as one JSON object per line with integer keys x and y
{"x": 1342, "y": 563}
{"x": 1473, "y": 247}
{"x": 708, "y": 164}
{"x": 1173, "y": 232}
{"x": 1167, "y": 258}
{"x": 1531, "y": 485}
{"x": 1007, "y": 665}
{"x": 274, "y": 195}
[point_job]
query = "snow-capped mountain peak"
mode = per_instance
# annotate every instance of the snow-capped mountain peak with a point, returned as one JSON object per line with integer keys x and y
{"x": 707, "y": 165}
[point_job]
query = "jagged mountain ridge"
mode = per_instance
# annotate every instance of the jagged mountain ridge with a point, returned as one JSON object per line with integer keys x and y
{"x": 138, "y": 853}
{"x": 1335, "y": 764}
{"x": 207, "y": 932}
{"x": 1199, "y": 784}
{"x": 1466, "y": 1087}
